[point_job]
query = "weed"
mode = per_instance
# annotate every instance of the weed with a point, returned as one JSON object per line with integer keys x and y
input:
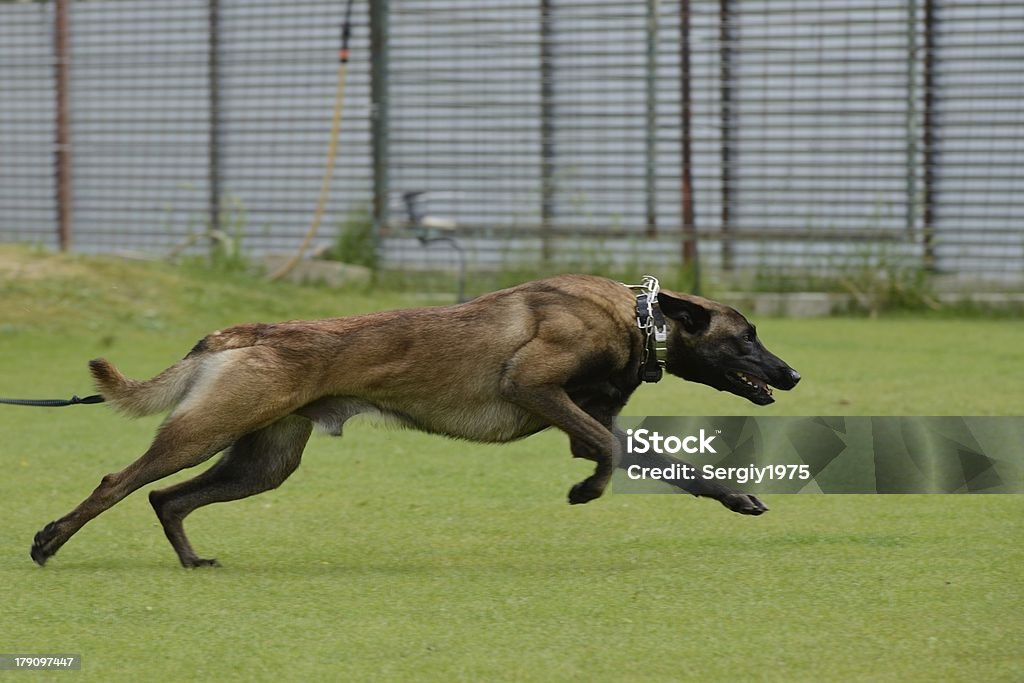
{"x": 355, "y": 242}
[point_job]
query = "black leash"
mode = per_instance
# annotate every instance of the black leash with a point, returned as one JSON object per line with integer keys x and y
{"x": 52, "y": 402}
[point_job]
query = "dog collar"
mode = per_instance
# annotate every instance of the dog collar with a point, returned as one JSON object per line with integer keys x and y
{"x": 651, "y": 321}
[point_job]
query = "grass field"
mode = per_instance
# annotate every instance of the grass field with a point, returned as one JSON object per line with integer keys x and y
{"x": 395, "y": 555}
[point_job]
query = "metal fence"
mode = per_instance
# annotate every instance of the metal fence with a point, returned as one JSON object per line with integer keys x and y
{"x": 755, "y": 135}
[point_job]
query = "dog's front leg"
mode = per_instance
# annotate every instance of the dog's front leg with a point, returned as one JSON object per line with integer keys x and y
{"x": 737, "y": 501}
{"x": 605, "y": 452}
{"x": 588, "y": 438}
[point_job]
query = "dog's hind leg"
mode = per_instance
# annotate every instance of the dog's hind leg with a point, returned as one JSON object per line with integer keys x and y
{"x": 257, "y": 462}
{"x": 181, "y": 442}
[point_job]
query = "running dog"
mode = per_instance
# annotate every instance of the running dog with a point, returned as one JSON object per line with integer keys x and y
{"x": 564, "y": 352}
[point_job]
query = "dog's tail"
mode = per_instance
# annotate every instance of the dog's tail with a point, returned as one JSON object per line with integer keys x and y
{"x": 135, "y": 398}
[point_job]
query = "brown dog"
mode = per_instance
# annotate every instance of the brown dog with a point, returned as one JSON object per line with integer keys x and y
{"x": 564, "y": 352}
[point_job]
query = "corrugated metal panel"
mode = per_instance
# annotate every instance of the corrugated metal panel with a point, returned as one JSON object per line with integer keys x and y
{"x": 27, "y": 137}
{"x": 463, "y": 120}
{"x": 820, "y": 122}
{"x": 823, "y": 134}
{"x": 979, "y": 177}
{"x": 141, "y": 117}
{"x": 278, "y": 76}
{"x": 139, "y": 122}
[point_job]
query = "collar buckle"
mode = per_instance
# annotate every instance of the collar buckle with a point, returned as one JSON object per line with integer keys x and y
{"x": 651, "y": 321}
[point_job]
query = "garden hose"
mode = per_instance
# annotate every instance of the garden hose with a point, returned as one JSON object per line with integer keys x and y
{"x": 332, "y": 151}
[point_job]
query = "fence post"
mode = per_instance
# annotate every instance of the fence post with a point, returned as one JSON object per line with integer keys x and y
{"x": 651, "y": 121}
{"x": 379, "y": 14}
{"x": 928, "y": 136}
{"x": 213, "y": 200}
{"x": 691, "y": 259}
{"x": 910, "y": 125}
{"x": 547, "y": 130}
{"x": 725, "y": 122}
{"x": 61, "y": 28}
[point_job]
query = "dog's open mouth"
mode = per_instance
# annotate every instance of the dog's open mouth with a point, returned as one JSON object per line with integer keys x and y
{"x": 758, "y": 384}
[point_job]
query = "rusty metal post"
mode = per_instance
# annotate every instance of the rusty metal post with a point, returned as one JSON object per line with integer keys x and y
{"x": 690, "y": 255}
{"x": 213, "y": 198}
{"x": 547, "y": 131}
{"x": 651, "y": 121}
{"x": 725, "y": 122}
{"x": 62, "y": 63}
{"x": 380, "y": 120}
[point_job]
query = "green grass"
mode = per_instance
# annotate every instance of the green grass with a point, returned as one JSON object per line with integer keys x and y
{"x": 396, "y": 555}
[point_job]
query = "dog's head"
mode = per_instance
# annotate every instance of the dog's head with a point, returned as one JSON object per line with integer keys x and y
{"x": 715, "y": 345}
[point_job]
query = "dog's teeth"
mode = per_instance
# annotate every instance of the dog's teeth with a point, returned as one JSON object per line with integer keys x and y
{"x": 749, "y": 382}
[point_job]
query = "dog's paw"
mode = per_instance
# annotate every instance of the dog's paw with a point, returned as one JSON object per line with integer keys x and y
{"x": 744, "y": 503}
{"x": 45, "y": 544}
{"x": 194, "y": 562}
{"x": 583, "y": 492}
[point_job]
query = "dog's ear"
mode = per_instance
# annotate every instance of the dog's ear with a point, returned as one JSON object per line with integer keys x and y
{"x": 694, "y": 317}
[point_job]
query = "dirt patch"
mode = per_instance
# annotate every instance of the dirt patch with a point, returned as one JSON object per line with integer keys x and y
{"x": 22, "y": 264}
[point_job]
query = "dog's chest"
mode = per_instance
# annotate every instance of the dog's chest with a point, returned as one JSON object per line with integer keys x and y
{"x": 487, "y": 421}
